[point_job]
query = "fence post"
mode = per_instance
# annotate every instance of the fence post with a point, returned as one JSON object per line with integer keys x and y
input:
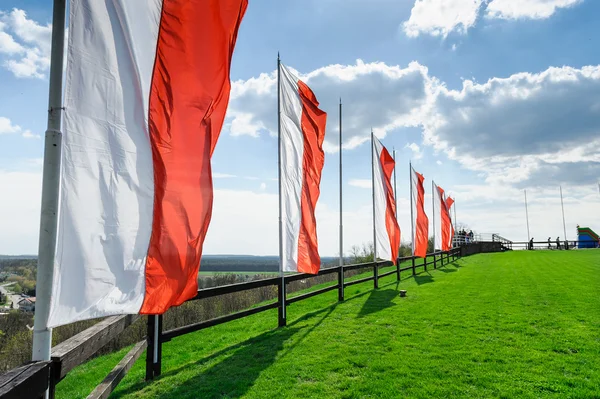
{"x": 376, "y": 275}
{"x": 341, "y": 283}
{"x": 397, "y": 270}
{"x": 434, "y": 261}
{"x": 425, "y": 262}
{"x": 413, "y": 265}
{"x": 281, "y": 300}
{"x": 158, "y": 345}
{"x": 150, "y": 347}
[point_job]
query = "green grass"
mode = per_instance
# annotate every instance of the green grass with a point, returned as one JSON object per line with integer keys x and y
{"x": 512, "y": 325}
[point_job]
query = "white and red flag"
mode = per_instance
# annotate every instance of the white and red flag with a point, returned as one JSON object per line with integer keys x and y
{"x": 420, "y": 221}
{"x": 302, "y": 131}
{"x": 449, "y": 203}
{"x": 147, "y": 87}
{"x": 385, "y": 224}
{"x": 442, "y": 220}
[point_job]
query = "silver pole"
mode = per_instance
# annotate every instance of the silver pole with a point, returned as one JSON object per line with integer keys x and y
{"x": 412, "y": 220}
{"x": 341, "y": 282}
{"x": 376, "y": 269}
{"x": 433, "y": 212}
{"x": 373, "y": 195}
{"x": 563, "y": 213}
{"x": 155, "y": 352}
{"x": 395, "y": 191}
{"x": 281, "y": 274}
{"x": 527, "y": 217}
{"x": 341, "y": 219}
{"x": 455, "y": 223}
{"x": 42, "y": 335}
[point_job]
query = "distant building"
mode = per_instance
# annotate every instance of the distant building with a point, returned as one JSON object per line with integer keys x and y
{"x": 27, "y": 304}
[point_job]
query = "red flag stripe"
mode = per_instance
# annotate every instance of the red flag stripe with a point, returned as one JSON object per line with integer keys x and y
{"x": 391, "y": 223}
{"x": 188, "y": 99}
{"x": 421, "y": 237}
{"x": 313, "y": 130}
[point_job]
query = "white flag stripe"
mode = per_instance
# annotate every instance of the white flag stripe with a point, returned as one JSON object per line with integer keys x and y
{"x": 292, "y": 155}
{"x": 384, "y": 251}
{"x": 414, "y": 181}
{"x": 108, "y": 222}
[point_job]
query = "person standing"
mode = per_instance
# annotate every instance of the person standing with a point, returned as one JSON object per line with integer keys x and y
{"x": 531, "y": 244}
{"x": 557, "y": 242}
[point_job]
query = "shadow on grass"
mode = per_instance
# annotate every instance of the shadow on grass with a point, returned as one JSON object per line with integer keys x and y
{"x": 378, "y": 300}
{"x": 419, "y": 279}
{"x": 447, "y": 270}
{"x": 242, "y": 364}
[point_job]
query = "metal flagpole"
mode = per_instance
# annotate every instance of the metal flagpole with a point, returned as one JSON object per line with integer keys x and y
{"x": 455, "y": 223}
{"x": 42, "y": 335}
{"x": 412, "y": 217}
{"x": 341, "y": 274}
{"x": 395, "y": 191}
{"x": 563, "y": 213}
{"x": 282, "y": 312}
{"x": 433, "y": 212}
{"x": 376, "y": 279}
{"x": 527, "y": 217}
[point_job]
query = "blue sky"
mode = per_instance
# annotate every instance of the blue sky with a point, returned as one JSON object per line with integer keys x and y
{"x": 492, "y": 97}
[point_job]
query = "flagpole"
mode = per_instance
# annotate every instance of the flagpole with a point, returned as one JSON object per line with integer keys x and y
{"x": 341, "y": 275}
{"x": 42, "y": 335}
{"x": 433, "y": 212}
{"x": 395, "y": 192}
{"x": 282, "y": 312}
{"x": 527, "y": 216}
{"x": 563, "y": 213}
{"x": 376, "y": 281}
{"x": 455, "y": 223}
{"x": 412, "y": 217}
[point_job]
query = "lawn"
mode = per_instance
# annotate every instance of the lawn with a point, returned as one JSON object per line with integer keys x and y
{"x": 518, "y": 324}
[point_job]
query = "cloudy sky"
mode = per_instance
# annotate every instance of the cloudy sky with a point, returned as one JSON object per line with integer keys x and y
{"x": 486, "y": 97}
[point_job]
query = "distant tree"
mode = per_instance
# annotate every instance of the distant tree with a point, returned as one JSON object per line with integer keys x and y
{"x": 430, "y": 248}
{"x": 16, "y": 288}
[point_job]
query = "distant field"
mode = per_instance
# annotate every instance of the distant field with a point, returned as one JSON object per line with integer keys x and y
{"x": 514, "y": 325}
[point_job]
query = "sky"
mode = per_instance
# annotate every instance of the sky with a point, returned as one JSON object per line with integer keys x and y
{"x": 488, "y": 98}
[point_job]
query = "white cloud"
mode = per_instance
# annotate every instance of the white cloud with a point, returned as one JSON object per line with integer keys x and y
{"x": 25, "y": 44}
{"x": 360, "y": 183}
{"x": 438, "y": 162}
{"x": 511, "y": 128}
{"x": 28, "y": 135}
{"x": 217, "y": 175}
{"x": 416, "y": 150}
{"x": 7, "y": 127}
{"x": 263, "y": 186}
{"x": 440, "y": 17}
{"x": 530, "y": 9}
{"x": 373, "y": 97}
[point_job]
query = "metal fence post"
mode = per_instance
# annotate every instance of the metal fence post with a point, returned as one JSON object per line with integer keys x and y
{"x": 150, "y": 348}
{"x": 341, "y": 284}
{"x": 376, "y": 275}
{"x": 425, "y": 262}
{"x": 413, "y": 265}
{"x": 281, "y": 300}
{"x": 397, "y": 269}
{"x": 434, "y": 261}
{"x": 158, "y": 345}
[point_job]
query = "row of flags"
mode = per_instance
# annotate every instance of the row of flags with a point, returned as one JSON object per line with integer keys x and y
{"x": 147, "y": 89}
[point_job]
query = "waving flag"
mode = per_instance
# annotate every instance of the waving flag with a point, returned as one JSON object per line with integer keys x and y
{"x": 449, "y": 203}
{"x": 147, "y": 87}
{"x": 387, "y": 231}
{"x": 443, "y": 223}
{"x": 302, "y": 133}
{"x": 420, "y": 221}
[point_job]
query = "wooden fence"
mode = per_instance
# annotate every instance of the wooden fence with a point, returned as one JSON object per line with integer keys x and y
{"x": 34, "y": 379}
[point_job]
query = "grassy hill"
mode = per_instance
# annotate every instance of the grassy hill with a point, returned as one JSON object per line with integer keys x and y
{"x": 520, "y": 324}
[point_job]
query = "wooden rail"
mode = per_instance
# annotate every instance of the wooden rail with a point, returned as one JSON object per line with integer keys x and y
{"x": 32, "y": 380}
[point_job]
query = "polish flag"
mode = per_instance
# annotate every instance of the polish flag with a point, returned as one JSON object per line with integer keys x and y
{"x": 443, "y": 223}
{"x": 449, "y": 203}
{"x": 420, "y": 220}
{"x": 387, "y": 231}
{"x": 147, "y": 87}
{"x": 302, "y": 133}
